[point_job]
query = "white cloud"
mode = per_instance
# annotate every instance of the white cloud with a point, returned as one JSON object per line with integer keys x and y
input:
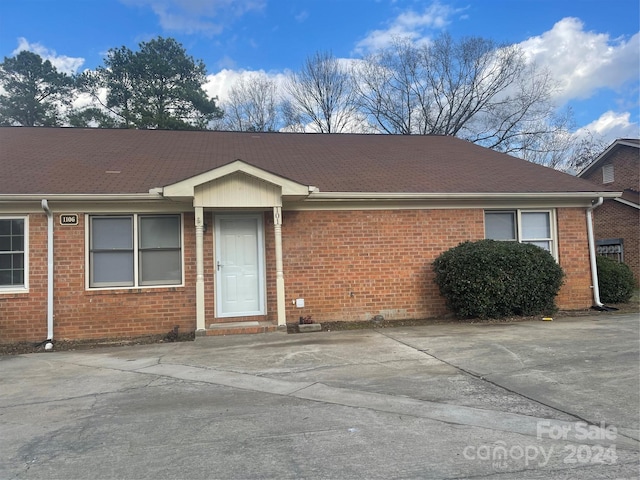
{"x": 209, "y": 17}
{"x": 220, "y": 84}
{"x": 63, "y": 63}
{"x": 610, "y": 126}
{"x": 410, "y": 25}
{"x": 583, "y": 62}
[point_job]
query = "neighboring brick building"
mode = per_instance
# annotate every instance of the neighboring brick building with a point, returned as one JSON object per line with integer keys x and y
{"x": 240, "y": 232}
{"x": 617, "y": 221}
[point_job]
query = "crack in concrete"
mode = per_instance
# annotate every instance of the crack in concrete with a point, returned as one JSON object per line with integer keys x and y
{"x": 483, "y": 377}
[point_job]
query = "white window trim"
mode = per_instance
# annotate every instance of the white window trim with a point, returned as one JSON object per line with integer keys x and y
{"x": 24, "y": 288}
{"x": 552, "y": 226}
{"x": 136, "y": 285}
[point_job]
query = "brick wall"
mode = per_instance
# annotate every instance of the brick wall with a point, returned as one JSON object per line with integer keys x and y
{"x": 348, "y": 266}
{"x": 23, "y": 316}
{"x": 573, "y": 256}
{"x": 613, "y": 219}
{"x": 354, "y": 265}
{"x": 90, "y": 314}
{"x": 616, "y": 220}
{"x": 626, "y": 173}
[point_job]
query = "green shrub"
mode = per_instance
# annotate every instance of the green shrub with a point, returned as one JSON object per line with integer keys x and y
{"x": 615, "y": 280}
{"x": 492, "y": 279}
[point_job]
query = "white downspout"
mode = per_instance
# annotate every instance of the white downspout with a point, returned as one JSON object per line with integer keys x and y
{"x": 49, "y": 342}
{"x": 592, "y": 254}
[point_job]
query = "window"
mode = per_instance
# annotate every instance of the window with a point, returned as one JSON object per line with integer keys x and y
{"x": 13, "y": 253}
{"x": 135, "y": 250}
{"x": 525, "y": 226}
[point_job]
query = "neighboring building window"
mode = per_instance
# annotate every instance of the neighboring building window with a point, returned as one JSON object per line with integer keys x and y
{"x": 607, "y": 173}
{"x": 612, "y": 248}
{"x": 525, "y": 226}
{"x": 135, "y": 250}
{"x": 13, "y": 253}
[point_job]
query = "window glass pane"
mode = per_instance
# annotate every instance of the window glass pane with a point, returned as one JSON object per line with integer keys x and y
{"x": 18, "y": 260}
{"x": 5, "y": 278}
{"x": 5, "y": 261}
{"x": 500, "y": 225}
{"x": 112, "y": 268}
{"x": 159, "y": 231}
{"x": 545, "y": 245}
{"x": 5, "y": 227}
{"x": 5, "y": 243}
{"x": 535, "y": 225}
{"x": 17, "y": 227}
{"x": 160, "y": 267}
{"x": 17, "y": 243}
{"x": 18, "y": 277}
{"x": 111, "y": 233}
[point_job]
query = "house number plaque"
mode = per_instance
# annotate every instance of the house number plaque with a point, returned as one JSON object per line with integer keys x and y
{"x": 69, "y": 219}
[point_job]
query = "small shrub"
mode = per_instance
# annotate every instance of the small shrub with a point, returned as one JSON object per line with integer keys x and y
{"x": 615, "y": 280}
{"x": 492, "y": 279}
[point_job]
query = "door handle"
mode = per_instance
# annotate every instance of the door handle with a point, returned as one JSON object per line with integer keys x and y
{"x": 219, "y": 265}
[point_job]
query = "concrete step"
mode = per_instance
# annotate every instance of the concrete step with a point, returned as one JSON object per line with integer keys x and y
{"x": 238, "y": 328}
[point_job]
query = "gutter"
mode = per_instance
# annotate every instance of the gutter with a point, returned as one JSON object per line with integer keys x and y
{"x": 48, "y": 343}
{"x": 82, "y": 197}
{"x": 337, "y": 196}
{"x": 597, "y": 304}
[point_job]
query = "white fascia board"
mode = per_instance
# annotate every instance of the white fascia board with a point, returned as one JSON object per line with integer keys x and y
{"x": 404, "y": 201}
{"x": 339, "y": 196}
{"x": 627, "y": 202}
{"x": 604, "y": 154}
{"x": 91, "y": 203}
{"x": 185, "y": 188}
{"x": 80, "y": 197}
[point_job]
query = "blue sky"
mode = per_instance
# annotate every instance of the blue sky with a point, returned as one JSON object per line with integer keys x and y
{"x": 592, "y": 47}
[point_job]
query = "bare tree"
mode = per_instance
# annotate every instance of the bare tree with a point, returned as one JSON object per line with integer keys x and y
{"x": 252, "y": 105}
{"x": 392, "y": 89}
{"x": 321, "y": 94}
{"x": 471, "y": 88}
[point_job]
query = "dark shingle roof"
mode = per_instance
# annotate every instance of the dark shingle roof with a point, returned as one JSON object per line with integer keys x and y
{"x": 75, "y": 161}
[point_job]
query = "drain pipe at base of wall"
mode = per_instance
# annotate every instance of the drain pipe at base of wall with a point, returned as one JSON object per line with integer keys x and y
{"x": 597, "y": 304}
{"x": 48, "y": 343}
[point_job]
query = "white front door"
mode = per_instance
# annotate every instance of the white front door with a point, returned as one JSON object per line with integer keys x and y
{"x": 239, "y": 265}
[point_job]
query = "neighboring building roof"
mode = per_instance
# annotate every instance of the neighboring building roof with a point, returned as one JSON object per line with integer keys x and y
{"x": 626, "y": 142}
{"x": 39, "y": 160}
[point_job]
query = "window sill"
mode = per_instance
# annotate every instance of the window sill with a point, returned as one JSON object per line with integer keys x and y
{"x": 13, "y": 291}
{"x": 133, "y": 290}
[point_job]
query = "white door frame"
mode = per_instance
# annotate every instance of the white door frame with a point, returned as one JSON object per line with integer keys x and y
{"x": 261, "y": 264}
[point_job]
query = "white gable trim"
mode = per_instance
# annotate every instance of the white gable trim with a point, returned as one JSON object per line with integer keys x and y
{"x": 186, "y": 188}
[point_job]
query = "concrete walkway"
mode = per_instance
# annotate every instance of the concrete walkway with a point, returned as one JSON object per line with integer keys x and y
{"x": 538, "y": 399}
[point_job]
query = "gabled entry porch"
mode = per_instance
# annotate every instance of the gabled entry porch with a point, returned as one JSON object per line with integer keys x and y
{"x": 236, "y": 197}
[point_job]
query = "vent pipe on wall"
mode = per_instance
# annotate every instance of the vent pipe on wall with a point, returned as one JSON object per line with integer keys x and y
{"x": 48, "y": 343}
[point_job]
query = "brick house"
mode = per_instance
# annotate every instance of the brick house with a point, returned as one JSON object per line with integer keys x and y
{"x": 120, "y": 233}
{"x": 617, "y": 222}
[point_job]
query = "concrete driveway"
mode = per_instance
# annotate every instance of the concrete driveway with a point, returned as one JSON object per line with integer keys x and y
{"x": 551, "y": 400}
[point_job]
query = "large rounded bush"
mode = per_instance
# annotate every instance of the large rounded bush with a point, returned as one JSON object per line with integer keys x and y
{"x": 492, "y": 279}
{"x": 615, "y": 280}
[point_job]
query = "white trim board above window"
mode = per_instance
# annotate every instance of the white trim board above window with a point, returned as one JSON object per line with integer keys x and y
{"x": 131, "y": 251}
{"x": 14, "y": 254}
{"x": 537, "y": 227}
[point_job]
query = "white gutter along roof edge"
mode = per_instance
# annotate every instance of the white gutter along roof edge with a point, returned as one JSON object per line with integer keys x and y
{"x": 461, "y": 196}
{"x": 316, "y": 195}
